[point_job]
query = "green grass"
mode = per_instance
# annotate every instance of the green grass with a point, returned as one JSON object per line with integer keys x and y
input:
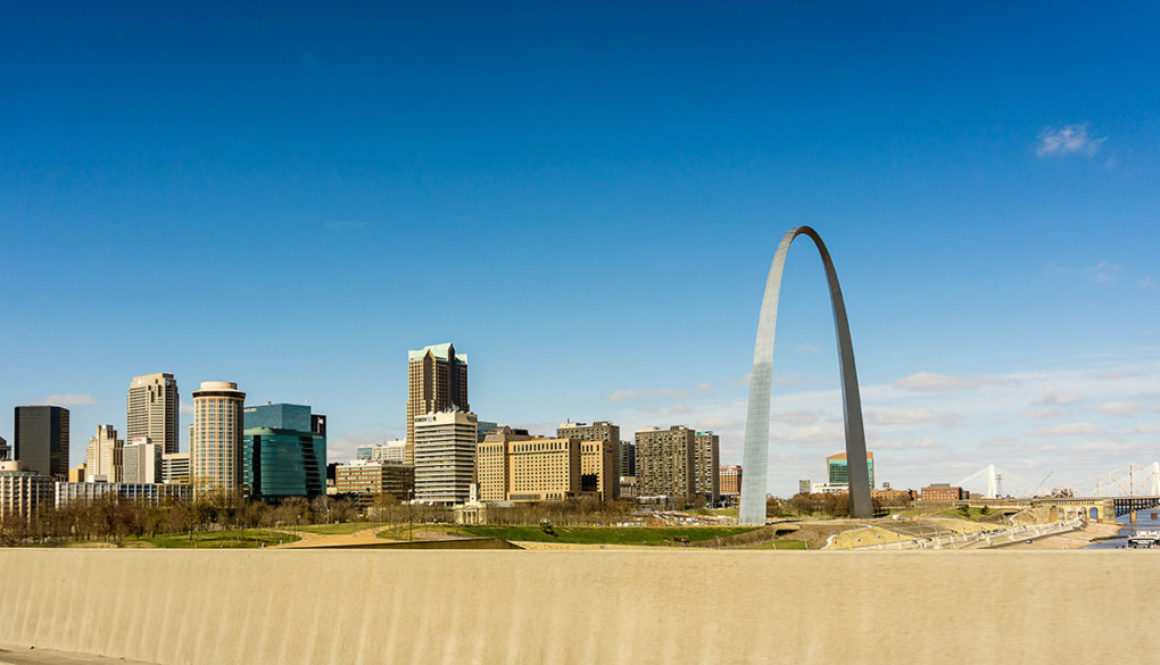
{"x": 335, "y": 529}
{"x": 975, "y": 514}
{"x": 217, "y": 539}
{"x": 605, "y": 535}
{"x": 783, "y": 544}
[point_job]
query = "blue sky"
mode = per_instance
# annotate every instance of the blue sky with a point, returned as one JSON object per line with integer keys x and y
{"x": 585, "y": 199}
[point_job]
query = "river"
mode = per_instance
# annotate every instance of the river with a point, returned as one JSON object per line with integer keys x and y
{"x": 1144, "y": 522}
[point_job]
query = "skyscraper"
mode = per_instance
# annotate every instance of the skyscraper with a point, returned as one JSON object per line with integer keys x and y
{"x": 151, "y": 410}
{"x": 665, "y": 463}
{"x": 444, "y": 456}
{"x": 5, "y": 449}
{"x": 41, "y": 441}
{"x": 596, "y": 469}
{"x": 216, "y": 448}
{"x": 142, "y": 462}
{"x": 105, "y": 458}
{"x": 706, "y": 467}
{"x": 283, "y": 453}
{"x": 839, "y": 473}
{"x": 436, "y": 382}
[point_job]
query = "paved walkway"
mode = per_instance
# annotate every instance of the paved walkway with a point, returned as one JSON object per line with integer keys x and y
{"x": 309, "y": 539}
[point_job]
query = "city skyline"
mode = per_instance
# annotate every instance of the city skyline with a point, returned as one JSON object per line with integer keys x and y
{"x": 599, "y": 209}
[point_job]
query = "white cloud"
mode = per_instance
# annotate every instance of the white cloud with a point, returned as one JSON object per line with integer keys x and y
{"x": 931, "y": 382}
{"x": 67, "y": 399}
{"x": 1039, "y": 413}
{"x": 185, "y": 409}
{"x": 1068, "y": 140}
{"x": 1147, "y": 283}
{"x": 807, "y": 347}
{"x": 703, "y": 388}
{"x": 631, "y": 394}
{"x": 923, "y": 443}
{"x": 1121, "y": 409}
{"x": 1149, "y": 428}
{"x": 1115, "y": 375}
{"x": 803, "y": 417}
{"x": 793, "y": 379}
{"x": 1051, "y": 269}
{"x": 817, "y": 435}
{"x": 1104, "y": 272}
{"x": 1070, "y": 429}
{"x": 1053, "y": 397}
{"x": 909, "y": 417}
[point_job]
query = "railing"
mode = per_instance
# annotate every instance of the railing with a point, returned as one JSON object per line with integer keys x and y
{"x": 950, "y": 540}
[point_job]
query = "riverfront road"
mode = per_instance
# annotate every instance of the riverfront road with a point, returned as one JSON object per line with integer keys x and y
{"x": 318, "y": 607}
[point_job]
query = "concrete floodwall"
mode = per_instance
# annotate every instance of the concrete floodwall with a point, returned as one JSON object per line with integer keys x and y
{"x": 639, "y": 607}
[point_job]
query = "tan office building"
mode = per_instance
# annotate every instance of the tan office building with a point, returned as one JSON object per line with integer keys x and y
{"x": 492, "y": 462}
{"x": 706, "y": 467}
{"x": 595, "y": 467}
{"x": 598, "y": 464}
{"x": 731, "y": 481}
{"x": 520, "y": 468}
{"x": 665, "y": 461}
{"x": 105, "y": 458}
{"x": 436, "y": 382}
{"x": 215, "y": 452}
{"x": 151, "y": 410}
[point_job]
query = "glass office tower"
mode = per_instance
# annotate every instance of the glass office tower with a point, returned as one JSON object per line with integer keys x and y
{"x": 283, "y": 452}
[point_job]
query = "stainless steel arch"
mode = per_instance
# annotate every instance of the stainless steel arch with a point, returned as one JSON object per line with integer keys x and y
{"x": 753, "y": 481}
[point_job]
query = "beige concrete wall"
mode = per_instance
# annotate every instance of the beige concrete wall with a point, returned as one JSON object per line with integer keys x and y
{"x": 639, "y": 607}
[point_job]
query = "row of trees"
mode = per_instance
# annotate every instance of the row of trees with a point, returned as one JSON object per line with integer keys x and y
{"x": 114, "y": 518}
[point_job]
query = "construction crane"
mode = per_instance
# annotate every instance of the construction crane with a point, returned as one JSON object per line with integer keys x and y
{"x": 1035, "y": 492}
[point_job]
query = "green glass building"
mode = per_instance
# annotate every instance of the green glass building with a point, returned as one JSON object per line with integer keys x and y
{"x": 839, "y": 473}
{"x": 283, "y": 452}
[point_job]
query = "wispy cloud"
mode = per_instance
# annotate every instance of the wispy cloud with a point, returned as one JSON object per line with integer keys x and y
{"x": 931, "y": 382}
{"x": 1121, "y": 409}
{"x": 631, "y": 394}
{"x": 310, "y": 61}
{"x": 347, "y": 224}
{"x": 909, "y": 417}
{"x": 1039, "y": 413}
{"x": 922, "y": 443}
{"x": 1053, "y": 397}
{"x": 1149, "y": 428}
{"x": 807, "y": 347}
{"x": 1070, "y": 429}
{"x": 1068, "y": 140}
{"x": 703, "y": 388}
{"x": 802, "y": 417}
{"x": 185, "y": 409}
{"x": 1051, "y": 269}
{"x": 1147, "y": 283}
{"x": 1104, "y": 272}
{"x": 67, "y": 399}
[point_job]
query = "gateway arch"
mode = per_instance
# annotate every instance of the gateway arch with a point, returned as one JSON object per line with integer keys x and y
{"x": 753, "y": 481}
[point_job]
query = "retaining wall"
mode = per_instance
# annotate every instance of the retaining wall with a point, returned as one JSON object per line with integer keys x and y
{"x": 639, "y": 607}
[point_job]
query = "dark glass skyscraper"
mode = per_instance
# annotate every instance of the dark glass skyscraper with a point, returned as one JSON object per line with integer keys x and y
{"x": 283, "y": 452}
{"x": 42, "y": 439}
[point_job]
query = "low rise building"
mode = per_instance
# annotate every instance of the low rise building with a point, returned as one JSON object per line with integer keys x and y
{"x": 942, "y": 492}
{"x": 175, "y": 468}
{"x": 22, "y": 492}
{"x": 151, "y": 493}
{"x": 730, "y": 481}
{"x": 369, "y": 478}
{"x": 141, "y": 462}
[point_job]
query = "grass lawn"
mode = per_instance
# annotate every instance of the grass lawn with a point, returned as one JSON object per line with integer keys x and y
{"x": 605, "y": 535}
{"x": 336, "y": 529}
{"x": 784, "y": 544}
{"x": 975, "y": 514}
{"x": 217, "y": 539}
